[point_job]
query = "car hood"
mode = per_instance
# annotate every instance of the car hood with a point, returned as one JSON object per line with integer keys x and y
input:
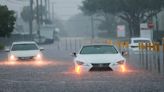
{"x": 25, "y": 53}
{"x": 105, "y": 58}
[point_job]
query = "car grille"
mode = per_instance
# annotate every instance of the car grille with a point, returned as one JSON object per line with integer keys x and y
{"x": 26, "y": 58}
{"x": 101, "y": 67}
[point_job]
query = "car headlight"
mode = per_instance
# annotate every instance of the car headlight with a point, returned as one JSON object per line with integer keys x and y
{"x": 12, "y": 57}
{"x": 38, "y": 56}
{"x": 121, "y": 62}
{"x": 80, "y": 62}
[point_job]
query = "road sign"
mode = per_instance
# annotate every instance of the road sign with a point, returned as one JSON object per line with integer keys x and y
{"x": 145, "y": 31}
{"x": 121, "y": 31}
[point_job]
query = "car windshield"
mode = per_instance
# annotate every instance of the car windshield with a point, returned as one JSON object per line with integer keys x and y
{"x": 24, "y": 47}
{"x": 141, "y": 41}
{"x": 98, "y": 49}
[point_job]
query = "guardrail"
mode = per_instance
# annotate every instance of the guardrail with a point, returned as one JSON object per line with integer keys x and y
{"x": 152, "y": 56}
{"x": 121, "y": 45}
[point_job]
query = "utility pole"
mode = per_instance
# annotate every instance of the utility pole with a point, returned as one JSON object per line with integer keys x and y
{"x": 49, "y": 15}
{"x": 45, "y": 3}
{"x": 41, "y": 16}
{"x": 157, "y": 27}
{"x": 53, "y": 13}
{"x": 31, "y": 19}
{"x": 38, "y": 19}
{"x": 92, "y": 27}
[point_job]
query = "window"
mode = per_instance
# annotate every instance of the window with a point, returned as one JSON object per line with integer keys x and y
{"x": 141, "y": 41}
{"x": 24, "y": 47}
{"x": 98, "y": 49}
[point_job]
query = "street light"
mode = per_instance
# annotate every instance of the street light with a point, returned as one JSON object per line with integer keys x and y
{"x": 157, "y": 27}
{"x": 92, "y": 27}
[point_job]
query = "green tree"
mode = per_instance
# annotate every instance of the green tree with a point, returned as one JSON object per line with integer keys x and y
{"x": 108, "y": 24}
{"x": 25, "y": 14}
{"x": 41, "y": 12}
{"x": 7, "y": 21}
{"x": 133, "y": 12}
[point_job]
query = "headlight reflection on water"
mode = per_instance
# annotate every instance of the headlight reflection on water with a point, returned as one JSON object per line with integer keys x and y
{"x": 78, "y": 70}
{"x": 126, "y": 69}
{"x": 27, "y": 63}
{"x": 123, "y": 68}
{"x": 10, "y": 63}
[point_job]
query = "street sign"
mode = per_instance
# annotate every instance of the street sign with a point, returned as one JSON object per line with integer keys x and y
{"x": 145, "y": 31}
{"x": 121, "y": 31}
{"x": 150, "y": 25}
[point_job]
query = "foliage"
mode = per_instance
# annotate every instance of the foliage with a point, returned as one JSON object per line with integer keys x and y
{"x": 26, "y": 13}
{"x": 7, "y": 21}
{"x": 108, "y": 23}
{"x": 2, "y": 46}
{"x": 41, "y": 10}
{"x": 132, "y": 11}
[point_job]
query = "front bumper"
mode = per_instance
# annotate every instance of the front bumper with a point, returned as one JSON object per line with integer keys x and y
{"x": 25, "y": 58}
{"x": 99, "y": 67}
{"x": 28, "y": 58}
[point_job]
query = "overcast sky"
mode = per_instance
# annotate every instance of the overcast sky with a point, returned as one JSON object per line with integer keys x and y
{"x": 63, "y": 8}
{"x": 67, "y": 8}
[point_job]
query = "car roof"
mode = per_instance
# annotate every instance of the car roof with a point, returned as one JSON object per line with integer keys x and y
{"x": 97, "y": 45}
{"x": 24, "y": 42}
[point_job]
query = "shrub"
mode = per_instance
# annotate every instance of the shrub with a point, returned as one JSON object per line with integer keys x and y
{"x": 2, "y": 46}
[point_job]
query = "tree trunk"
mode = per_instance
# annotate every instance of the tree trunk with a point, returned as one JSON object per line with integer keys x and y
{"x": 136, "y": 30}
{"x": 134, "y": 26}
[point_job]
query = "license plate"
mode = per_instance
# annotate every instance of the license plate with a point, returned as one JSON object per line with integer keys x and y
{"x": 24, "y": 58}
{"x": 100, "y": 65}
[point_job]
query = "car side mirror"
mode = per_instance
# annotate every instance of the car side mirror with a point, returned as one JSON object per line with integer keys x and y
{"x": 41, "y": 48}
{"x": 124, "y": 53}
{"x": 7, "y": 50}
{"x": 74, "y": 54}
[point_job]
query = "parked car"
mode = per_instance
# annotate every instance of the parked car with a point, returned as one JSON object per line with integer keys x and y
{"x": 134, "y": 43}
{"x": 99, "y": 57}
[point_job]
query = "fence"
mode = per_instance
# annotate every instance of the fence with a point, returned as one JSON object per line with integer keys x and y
{"x": 152, "y": 56}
